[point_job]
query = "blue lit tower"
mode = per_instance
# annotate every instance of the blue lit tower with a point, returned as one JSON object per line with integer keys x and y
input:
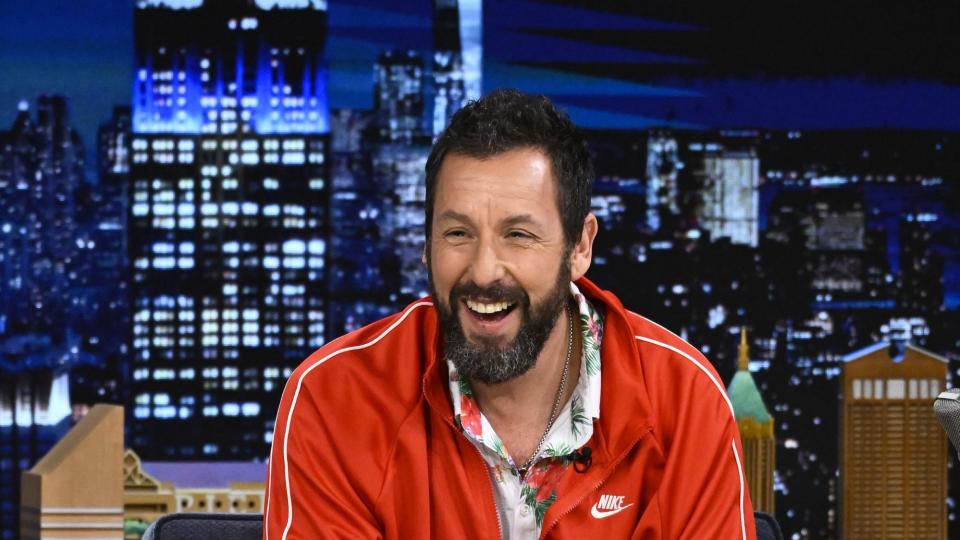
{"x": 228, "y": 218}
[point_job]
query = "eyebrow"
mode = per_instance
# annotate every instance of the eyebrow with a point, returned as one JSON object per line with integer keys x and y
{"x": 455, "y": 216}
{"x": 518, "y": 219}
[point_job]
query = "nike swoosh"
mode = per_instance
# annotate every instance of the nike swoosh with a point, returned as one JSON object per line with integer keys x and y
{"x": 600, "y": 514}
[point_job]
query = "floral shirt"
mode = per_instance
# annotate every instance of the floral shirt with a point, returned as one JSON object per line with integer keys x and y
{"x": 522, "y": 504}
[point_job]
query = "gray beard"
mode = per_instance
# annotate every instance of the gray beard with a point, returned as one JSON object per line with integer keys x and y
{"x": 487, "y": 361}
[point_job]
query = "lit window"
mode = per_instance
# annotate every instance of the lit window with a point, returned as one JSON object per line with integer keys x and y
{"x": 294, "y": 262}
{"x": 294, "y": 247}
{"x": 317, "y": 247}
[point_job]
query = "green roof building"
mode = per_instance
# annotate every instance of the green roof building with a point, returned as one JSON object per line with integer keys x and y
{"x": 756, "y": 431}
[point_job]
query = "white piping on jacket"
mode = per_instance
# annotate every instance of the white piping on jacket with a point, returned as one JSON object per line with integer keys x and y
{"x": 743, "y": 525}
{"x": 725, "y": 398}
{"x": 293, "y": 404}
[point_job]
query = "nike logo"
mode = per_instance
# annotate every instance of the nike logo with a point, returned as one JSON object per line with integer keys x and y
{"x": 608, "y": 505}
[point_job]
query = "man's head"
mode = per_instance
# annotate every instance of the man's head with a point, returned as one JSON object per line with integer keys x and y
{"x": 508, "y": 228}
{"x": 508, "y": 119}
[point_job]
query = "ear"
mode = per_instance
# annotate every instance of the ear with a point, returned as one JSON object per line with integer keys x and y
{"x": 582, "y": 253}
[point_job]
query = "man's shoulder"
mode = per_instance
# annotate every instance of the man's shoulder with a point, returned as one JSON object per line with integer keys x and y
{"x": 390, "y": 352}
{"x": 669, "y": 360}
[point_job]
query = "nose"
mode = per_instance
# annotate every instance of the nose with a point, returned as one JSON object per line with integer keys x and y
{"x": 487, "y": 266}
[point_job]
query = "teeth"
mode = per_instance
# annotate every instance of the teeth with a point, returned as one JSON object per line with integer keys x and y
{"x": 480, "y": 307}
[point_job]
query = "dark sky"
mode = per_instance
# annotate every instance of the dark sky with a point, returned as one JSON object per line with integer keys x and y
{"x": 79, "y": 48}
{"x": 794, "y": 64}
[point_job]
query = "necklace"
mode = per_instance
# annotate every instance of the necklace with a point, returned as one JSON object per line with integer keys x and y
{"x": 556, "y": 402}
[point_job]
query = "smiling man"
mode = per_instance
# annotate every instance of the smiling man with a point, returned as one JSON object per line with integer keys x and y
{"x": 520, "y": 400}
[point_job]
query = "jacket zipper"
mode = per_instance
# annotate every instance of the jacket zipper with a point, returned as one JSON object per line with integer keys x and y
{"x": 612, "y": 467}
{"x": 486, "y": 468}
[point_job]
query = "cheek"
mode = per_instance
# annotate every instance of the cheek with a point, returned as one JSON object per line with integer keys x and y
{"x": 445, "y": 269}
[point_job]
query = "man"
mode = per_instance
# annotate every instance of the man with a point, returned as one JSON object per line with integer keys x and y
{"x": 519, "y": 400}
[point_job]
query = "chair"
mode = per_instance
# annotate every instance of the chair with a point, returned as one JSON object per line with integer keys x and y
{"x": 210, "y": 526}
{"x": 767, "y": 527}
{"x": 187, "y": 526}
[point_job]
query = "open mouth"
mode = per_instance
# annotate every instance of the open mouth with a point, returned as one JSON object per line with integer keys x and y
{"x": 489, "y": 311}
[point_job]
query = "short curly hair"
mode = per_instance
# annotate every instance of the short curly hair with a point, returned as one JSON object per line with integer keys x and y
{"x": 507, "y": 119}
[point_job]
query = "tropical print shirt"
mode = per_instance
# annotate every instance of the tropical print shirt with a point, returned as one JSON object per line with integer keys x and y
{"x": 522, "y": 504}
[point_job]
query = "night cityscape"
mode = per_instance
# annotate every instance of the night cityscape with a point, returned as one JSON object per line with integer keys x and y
{"x": 260, "y": 189}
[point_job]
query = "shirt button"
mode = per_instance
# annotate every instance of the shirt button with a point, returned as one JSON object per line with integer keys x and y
{"x": 525, "y": 510}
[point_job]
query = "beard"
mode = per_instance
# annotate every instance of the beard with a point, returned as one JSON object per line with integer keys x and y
{"x": 488, "y": 360}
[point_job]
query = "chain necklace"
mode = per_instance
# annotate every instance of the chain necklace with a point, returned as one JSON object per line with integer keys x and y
{"x": 556, "y": 402}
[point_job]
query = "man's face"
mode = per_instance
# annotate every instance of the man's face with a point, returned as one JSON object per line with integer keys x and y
{"x": 498, "y": 262}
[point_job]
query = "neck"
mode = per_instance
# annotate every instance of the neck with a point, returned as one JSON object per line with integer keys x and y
{"x": 523, "y": 405}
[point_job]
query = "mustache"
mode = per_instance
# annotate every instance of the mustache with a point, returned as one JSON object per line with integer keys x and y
{"x": 496, "y": 292}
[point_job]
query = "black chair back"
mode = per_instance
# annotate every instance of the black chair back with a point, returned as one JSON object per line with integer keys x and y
{"x": 209, "y": 526}
{"x": 250, "y": 527}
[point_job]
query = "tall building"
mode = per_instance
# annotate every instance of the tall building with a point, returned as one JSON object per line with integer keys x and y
{"x": 41, "y": 167}
{"x": 399, "y": 157}
{"x": 756, "y": 431}
{"x": 663, "y": 166}
{"x": 398, "y": 96}
{"x": 921, "y": 266}
{"x": 41, "y": 302}
{"x": 364, "y": 273}
{"x": 102, "y": 269}
{"x": 228, "y": 218}
{"x": 731, "y": 198}
{"x": 893, "y": 452}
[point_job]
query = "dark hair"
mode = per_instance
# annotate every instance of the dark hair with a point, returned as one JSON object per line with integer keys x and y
{"x": 508, "y": 119}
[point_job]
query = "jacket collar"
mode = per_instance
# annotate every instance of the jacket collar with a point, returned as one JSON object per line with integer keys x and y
{"x": 625, "y": 412}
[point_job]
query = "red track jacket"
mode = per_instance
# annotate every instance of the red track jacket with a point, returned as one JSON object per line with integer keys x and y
{"x": 365, "y": 445}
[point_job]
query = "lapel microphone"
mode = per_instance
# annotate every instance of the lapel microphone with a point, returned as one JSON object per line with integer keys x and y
{"x": 581, "y": 459}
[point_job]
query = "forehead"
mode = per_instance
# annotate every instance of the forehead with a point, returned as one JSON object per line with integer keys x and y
{"x": 505, "y": 182}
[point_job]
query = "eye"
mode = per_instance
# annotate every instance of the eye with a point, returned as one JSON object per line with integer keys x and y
{"x": 455, "y": 234}
{"x": 519, "y": 235}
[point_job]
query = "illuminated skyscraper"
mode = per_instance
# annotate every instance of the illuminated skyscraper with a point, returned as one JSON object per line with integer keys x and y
{"x": 663, "y": 166}
{"x": 398, "y": 161}
{"x": 894, "y": 454}
{"x": 363, "y": 268}
{"x": 921, "y": 266}
{"x": 756, "y": 431}
{"x": 228, "y": 218}
{"x": 41, "y": 168}
{"x": 731, "y": 200}
{"x": 398, "y": 96}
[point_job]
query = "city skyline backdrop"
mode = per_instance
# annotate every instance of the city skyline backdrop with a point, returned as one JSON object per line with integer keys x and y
{"x": 612, "y": 66}
{"x": 191, "y": 207}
